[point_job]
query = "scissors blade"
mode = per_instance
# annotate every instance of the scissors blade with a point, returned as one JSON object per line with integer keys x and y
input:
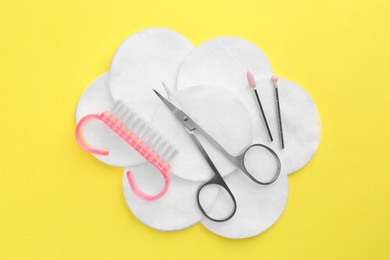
{"x": 175, "y": 110}
{"x": 170, "y": 95}
{"x": 167, "y": 90}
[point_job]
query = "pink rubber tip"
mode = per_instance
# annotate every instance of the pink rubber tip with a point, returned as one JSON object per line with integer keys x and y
{"x": 274, "y": 79}
{"x": 251, "y": 79}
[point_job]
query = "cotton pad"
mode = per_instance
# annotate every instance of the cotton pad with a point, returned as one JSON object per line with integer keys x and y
{"x": 176, "y": 210}
{"x": 258, "y": 206}
{"x": 142, "y": 62}
{"x": 221, "y": 115}
{"x": 224, "y": 62}
{"x": 97, "y": 99}
{"x": 222, "y": 58}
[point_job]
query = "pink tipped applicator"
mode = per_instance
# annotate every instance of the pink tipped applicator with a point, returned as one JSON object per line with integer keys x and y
{"x": 252, "y": 84}
{"x": 274, "y": 81}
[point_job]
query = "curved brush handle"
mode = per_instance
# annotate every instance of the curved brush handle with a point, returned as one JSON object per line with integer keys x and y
{"x": 140, "y": 194}
{"x": 134, "y": 141}
{"x": 80, "y": 137}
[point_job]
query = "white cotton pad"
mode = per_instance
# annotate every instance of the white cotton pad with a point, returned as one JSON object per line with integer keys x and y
{"x": 222, "y": 59}
{"x": 224, "y": 62}
{"x": 97, "y": 99}
{"x": 220, "y": 114}
{"x": 176, "y": 210}
{"x": 258, "y": 206}
{"x": 142, "y": 62}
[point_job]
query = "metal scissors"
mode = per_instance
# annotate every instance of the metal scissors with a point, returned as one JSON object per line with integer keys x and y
{"x": 238, "y": 160}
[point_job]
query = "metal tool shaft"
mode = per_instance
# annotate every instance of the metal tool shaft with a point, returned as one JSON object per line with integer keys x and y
{"x": 279, "y": 116}
{"x": 262, "y": 112}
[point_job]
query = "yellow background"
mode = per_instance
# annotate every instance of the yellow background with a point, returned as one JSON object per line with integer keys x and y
{"x": 57, "y": 202}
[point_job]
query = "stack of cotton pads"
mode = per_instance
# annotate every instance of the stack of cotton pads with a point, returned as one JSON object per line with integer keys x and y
{"x": 210, "y": 82}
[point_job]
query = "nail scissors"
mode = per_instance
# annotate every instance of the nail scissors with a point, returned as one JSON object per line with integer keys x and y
{"x": 238, "y": 160}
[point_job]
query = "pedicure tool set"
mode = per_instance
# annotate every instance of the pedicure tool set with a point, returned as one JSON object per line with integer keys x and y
{"x": 136, "y": 131}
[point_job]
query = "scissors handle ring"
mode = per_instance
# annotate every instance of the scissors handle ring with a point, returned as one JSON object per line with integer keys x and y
{"x": 241, "y": 159}
{"x": 215, "y": 180}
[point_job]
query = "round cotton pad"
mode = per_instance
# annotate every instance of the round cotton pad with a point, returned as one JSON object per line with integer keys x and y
{"x": 176, "y": 210}
{"x": 97, "y": 99}
{"x": 224, "y": 62}
{"x": 222, "y": 58}
{"x": 258, "y": 206}
{"x": 142, "y": 62}
{"x": 221, "y": 115}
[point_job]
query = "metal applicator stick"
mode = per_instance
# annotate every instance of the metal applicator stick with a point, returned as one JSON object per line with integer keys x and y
{"x": 274, "y": 81}
{"x": 252, "y": 84}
